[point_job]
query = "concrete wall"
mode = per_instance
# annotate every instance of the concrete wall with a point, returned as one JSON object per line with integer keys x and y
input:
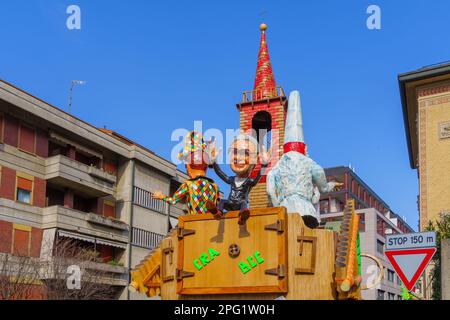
{"x": 150, "y": 180}
{"x": 149, "y": 220}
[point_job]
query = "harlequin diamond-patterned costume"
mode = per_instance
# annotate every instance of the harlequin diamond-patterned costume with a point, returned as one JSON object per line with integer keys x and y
{"x": 196, "y": 192}
{"x": 199, "y": 192}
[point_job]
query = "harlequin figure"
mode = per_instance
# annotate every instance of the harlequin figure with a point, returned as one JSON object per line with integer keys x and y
{"x": 296, "y": 181}
{"x": 199, "y": 192}
{"x": 243, "y": 159}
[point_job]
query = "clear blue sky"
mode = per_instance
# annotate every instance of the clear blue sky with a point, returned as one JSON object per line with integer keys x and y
{"x": 154, "y": 66}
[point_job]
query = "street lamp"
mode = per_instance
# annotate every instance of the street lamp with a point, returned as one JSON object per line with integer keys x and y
{"x": 73, "y": 84}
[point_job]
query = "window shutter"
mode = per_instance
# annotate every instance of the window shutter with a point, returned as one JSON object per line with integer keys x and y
{"x": 27, "y": 139}
{"x": 21, "y": 242}
{"x": 24, "y": 184}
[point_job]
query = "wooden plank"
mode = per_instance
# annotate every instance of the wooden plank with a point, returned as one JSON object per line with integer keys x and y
{"x": 169, "y": 287}
{"x": 317, "y": 286}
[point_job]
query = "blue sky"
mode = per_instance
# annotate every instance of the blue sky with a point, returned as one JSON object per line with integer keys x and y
{"x": 155, "y": 66}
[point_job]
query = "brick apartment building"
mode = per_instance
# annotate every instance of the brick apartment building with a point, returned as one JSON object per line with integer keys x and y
{"x": 61, "y": 177}
{"x": 376, "y": 221}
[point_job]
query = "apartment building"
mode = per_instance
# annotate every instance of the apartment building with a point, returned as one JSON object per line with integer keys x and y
{"x": 376, "y": 220}
{"x": 61, "y": 177}
{"x": 425, "y": 97}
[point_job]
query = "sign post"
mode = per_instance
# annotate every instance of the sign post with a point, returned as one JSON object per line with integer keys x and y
{"x": 410, "y": 254}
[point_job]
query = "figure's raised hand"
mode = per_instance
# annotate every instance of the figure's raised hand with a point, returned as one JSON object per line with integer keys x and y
{"x": 158, "y": 195}
{"x": 212, "y": 152}
{"x": 337, "y": 186}
{"x": 264, "y": 156}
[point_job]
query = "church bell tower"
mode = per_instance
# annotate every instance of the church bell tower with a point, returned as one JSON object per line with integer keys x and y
{"x": 263, "y": 109}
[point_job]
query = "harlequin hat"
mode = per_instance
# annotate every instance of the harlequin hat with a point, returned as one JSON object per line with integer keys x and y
{"x": 193, "y": 142}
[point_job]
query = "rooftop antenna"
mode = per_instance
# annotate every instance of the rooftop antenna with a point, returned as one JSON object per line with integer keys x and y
{"x": 73, "y": 84}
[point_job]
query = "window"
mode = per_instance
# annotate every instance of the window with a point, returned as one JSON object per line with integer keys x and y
{"x": 362, "y": 222}
{"x": 391, "y": 296}
{"x": 380, "y": 247}
{"x": 380, "y": 294}
{"x": 399, "y": 282}
{"x": 23, "y": 196}
{"x": 390, "y": 275}
{"x": 381, "y": 226}
{"x": 27, "y": 139}
{"x": 399, "y": 297}
{"x": 24, "y": 189}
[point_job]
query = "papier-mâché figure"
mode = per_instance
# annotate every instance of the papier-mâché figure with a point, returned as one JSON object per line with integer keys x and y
{"x": 291, "y": 181}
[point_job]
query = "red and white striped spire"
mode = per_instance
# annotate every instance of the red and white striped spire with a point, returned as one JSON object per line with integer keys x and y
{"x": 265, "y": 86}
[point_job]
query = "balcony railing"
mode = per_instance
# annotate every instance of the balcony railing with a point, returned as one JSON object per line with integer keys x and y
{"x": 145, "y": 199}
{"x": 146, "y": 239}
{"x": 254, "y": 95}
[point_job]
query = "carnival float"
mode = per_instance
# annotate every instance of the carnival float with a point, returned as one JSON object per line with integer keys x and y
{"x": 273, "y": 248}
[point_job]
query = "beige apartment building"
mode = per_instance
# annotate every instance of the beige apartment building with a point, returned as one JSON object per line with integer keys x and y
{"x": 61, "y": 177}
{"x": 425, "y": 95}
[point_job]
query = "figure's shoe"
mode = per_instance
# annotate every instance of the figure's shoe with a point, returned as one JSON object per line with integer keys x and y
{"x": 310, "y": 222}
{"x": 218, "y": 214}
{"x": 243, "y": 216}
{"x": 212, "y": 208}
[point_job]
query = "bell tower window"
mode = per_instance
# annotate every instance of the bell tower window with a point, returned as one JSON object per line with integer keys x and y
{"x": 262, "y": 128}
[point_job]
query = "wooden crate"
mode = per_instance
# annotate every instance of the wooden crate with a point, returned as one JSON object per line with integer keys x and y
{"x": 205, "y": 266}
{"x": 311, "y": 261}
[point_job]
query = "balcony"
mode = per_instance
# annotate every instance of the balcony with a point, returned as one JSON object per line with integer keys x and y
{"x": 254, "y": 95}
{"x": 20, "y": 211}
{"x": 72, "y": 174}
{"x": 107, "y": 222}
{"x": 114, "y": 275}
{"x": 103, "y": 273}
{"x": 85, "y": 223}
